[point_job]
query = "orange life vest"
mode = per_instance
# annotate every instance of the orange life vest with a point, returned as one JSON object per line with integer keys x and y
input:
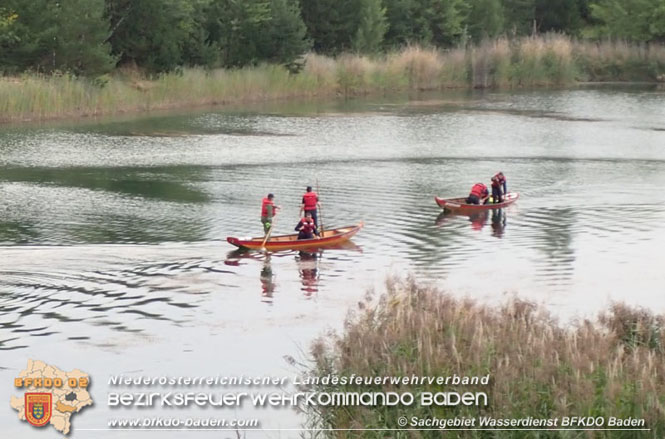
{"x": 307, "y": 225}
{"x": 310, "y": 199}
{"x": 498, "y": 180}
{"x": 479, "y": 190}
{"x": 264, "y": 207}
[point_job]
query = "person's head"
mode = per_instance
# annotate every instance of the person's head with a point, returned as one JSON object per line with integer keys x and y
{"x": 308, "y": 214}
{"x": 271, "y": 196}
{"x": 309, "y": 188}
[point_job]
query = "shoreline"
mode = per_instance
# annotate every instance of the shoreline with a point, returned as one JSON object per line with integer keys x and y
{"x": 528, "y": 63}
{"x": 167, "y": 108}
{"x": 171, "y": 107}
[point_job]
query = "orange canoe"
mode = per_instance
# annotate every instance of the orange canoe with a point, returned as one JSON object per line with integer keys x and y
{"x": 459, "y": 205}
{"x": 329, "y": 238}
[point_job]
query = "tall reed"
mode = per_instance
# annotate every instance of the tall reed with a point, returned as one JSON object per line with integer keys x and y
{"x": 611, "y": 367}
{"x": 548, "y": 60}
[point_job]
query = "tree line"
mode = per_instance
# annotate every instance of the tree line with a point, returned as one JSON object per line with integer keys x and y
{"x": 93, "y": 37}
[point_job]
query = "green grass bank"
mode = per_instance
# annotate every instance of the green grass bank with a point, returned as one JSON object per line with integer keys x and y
{"x": 550, "y": 60}
{"x": 613, "y": 366}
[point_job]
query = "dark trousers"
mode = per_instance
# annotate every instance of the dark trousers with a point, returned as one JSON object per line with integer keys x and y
{"x": 472, "y": 199}
{"x": 305, "y": 235}
{"x": 314, "y": 217}
{"x": 497, "y": 194}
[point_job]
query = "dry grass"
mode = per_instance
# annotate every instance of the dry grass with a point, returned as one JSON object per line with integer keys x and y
{"x": 549, "y": 60}
{"x": 612, "y": 367}
{"x": 421, "y": 67}
{"x": 620, "y": 61}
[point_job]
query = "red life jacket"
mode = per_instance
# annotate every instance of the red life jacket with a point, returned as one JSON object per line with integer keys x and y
{"x": 307, "y": 225}
{"x": 264, "y": 207}
{"x": 310, "y": 199}
{"x": 479, "y": 190}
{"x": 498, "y": 180}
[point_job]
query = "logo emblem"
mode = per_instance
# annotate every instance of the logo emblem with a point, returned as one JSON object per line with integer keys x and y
{"x": 38, "y": 408}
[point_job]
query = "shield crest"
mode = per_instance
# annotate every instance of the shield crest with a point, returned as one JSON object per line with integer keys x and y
{"x": 38, "y": 408}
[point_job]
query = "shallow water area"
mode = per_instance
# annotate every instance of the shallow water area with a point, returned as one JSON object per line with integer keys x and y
{"x": 113, "y": 233}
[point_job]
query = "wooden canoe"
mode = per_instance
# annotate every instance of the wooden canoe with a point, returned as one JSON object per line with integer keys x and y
{"x": 459, "y": 204}
{"x": 329, "y": 238}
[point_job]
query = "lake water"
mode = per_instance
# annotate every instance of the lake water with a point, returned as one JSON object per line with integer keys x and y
{"x": 113, "y": 234}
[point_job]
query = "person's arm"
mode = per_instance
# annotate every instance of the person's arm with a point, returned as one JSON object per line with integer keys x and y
{"x": 505, "y": 187}
{"x": 299, "y": 226}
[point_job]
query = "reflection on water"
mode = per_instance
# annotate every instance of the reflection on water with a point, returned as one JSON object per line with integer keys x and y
{"x": 498, "y": 222}
{"x": 267, "y": 278}
{"x": 308, "y": 268}
{"x": 555, "y": 240}
{"x": 477, "y": 220}
{"x": 112, "y": 235}
{"x": 264, "y": 261}
{"x": 307, "y": 264}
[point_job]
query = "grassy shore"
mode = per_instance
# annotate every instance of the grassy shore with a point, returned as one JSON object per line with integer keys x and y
{"x": 614, "y": 366}
{"x": 551, "y": 60}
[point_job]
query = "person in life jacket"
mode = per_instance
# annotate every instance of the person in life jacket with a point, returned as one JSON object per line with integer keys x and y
{"x": 306, "y": 228}
{"x": 268, "y": 212}
{"x": 478, "y": 195}
{"x": 499, "y": 188}
{"x": 310, "y": 203}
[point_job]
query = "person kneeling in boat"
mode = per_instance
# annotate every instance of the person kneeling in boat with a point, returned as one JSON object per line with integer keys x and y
{"x": 499, "y": 188}
{"x": 306, "y": 228}
{"x": 478, "y": 195}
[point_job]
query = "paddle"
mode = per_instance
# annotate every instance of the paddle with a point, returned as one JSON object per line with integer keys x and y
{"x": 320, "y": 209}
{"x": 272, "y": 224}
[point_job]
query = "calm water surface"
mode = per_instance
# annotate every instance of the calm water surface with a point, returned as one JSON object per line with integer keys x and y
{"x": 112, "y": 235}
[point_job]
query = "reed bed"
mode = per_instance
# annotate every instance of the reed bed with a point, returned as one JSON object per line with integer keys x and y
{"x": 548, "y": 60}
{"x": 611, "y": 367}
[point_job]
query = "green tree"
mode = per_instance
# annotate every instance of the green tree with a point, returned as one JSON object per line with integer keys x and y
{"x": 68, "y": 35}
{"x": 447, "y": 20}
{"x": 559, "y": 16}
{"x": 199, "y": 49}
{"x": 485, "y": 19}
{"x": 399, "y": 15}
{"x": 241, "y": 29}
{"x": 437, "y": 22}
{"x": 151, "y": 33}
{"x": 372, "y": 28}
{"x": 638, "y": 20}
{"x": 519, "y": 16}
{"x": 81, "y": 45}
{"x": 331, "y": 24}
{"x": 287, "y": 33}
{"x": 7, "y": 29}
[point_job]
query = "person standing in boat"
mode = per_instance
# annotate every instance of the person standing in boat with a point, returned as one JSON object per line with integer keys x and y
{"x": 268, "y": 212}
{"x": 306, "y": 228}
{"x": 310, "y": 203}
{"x": 478, "y": 195}
{"x": 499, "y": 188}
